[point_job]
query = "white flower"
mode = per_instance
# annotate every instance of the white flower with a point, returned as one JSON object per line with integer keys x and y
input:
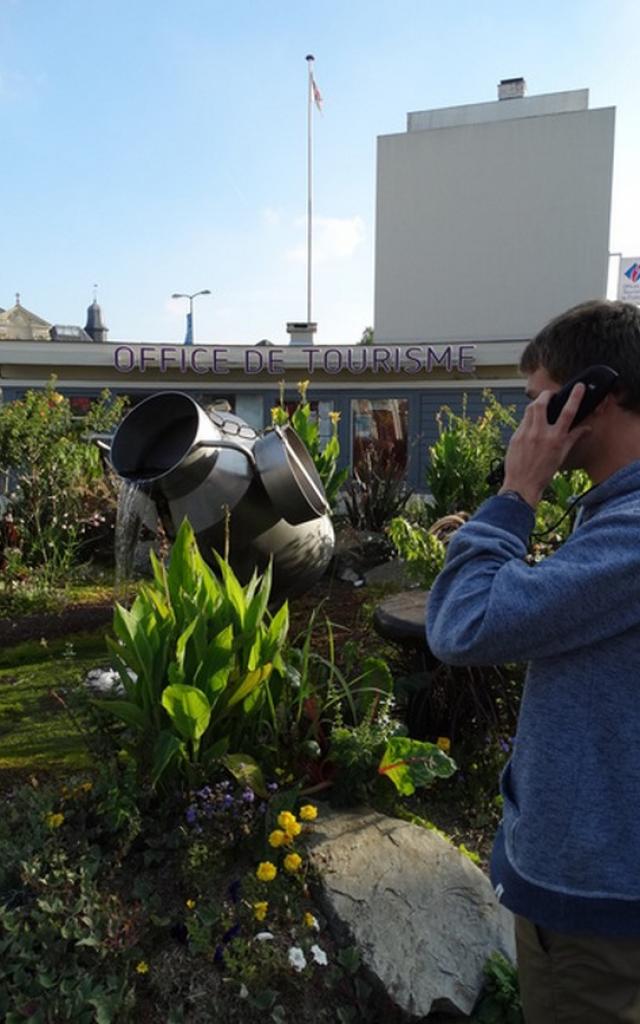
{"x": 244, "y": 991}
{"x": 319, "y": 955}
{"x": 296, "y": 958}
{"x": 264, "y": 936}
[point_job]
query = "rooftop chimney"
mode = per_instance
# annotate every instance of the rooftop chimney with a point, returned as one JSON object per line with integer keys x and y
{"x": 301, "y": 333}
{"x": 512, "y": 89}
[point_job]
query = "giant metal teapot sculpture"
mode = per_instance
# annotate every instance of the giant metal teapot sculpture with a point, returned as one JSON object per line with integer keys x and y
{"x": 260, "y": 488}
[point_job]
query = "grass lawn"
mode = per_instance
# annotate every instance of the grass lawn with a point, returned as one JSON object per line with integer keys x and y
{"x": 36, "y": 733}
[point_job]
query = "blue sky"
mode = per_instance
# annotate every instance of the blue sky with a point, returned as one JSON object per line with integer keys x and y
{"x": 154, "y": 147}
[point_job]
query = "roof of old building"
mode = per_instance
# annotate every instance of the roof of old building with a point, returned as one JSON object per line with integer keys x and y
{"x": 20, "y": 324}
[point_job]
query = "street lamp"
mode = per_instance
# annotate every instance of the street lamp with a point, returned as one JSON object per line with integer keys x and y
{"x": 188, "y": 339}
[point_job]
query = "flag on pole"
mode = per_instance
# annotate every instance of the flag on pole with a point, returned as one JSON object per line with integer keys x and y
{"x": 188, "y": 338}
{"x": 316, "y": 94}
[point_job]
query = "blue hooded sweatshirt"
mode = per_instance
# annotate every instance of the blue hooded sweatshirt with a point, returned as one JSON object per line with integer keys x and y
{"x": 567, "y": 854}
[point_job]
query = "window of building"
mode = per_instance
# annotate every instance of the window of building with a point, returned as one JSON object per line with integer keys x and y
{"x": 381, "y": 426}
{"x": 319, "y": 413}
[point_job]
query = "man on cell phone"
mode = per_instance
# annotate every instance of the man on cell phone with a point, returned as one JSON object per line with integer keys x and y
{"x": 566, "y": 858}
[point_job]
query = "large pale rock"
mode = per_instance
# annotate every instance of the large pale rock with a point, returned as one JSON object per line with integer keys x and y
{"x": 423, "y": 917}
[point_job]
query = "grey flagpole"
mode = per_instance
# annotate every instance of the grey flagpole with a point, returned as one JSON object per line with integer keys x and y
{"x": 310, "y": 59}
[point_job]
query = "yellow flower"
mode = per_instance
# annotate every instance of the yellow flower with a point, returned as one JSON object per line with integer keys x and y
{"x": 142, "y": 967}
{"x": 190, "y": 904}
{"x": 260, "y": 910}
{"x": 310, "y": 920}
{"x": 309, "y": 812}
{"x": 84, "y": 787}
{"x": 292, "y": 862}
{"x": 54, "y": 820}
{"x": 303, "y": 386}
{"x": 444, "y": 743}
{"x": 289, "y": 823}
{"x": 335, "y": 418}
{"x": 277, "y": 837}
{"x": 266, "y": 871}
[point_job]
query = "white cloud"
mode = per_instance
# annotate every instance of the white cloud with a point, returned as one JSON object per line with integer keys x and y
{"x": 335, "y": 239}
{"x": 271, "y": 217}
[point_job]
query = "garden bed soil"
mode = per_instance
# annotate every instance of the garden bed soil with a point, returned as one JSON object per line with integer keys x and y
{"x": 340, "y": 602}
{"x": 75, "y": 618}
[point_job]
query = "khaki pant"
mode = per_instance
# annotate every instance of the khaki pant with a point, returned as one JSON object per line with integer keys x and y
{"x": 569, "y": 979}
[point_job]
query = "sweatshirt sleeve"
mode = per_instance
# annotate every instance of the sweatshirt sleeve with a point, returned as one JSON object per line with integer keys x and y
{"x": 488, "y": 607}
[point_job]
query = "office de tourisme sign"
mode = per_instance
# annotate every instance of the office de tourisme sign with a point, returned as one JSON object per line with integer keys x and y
{"x": 218, "y": 359}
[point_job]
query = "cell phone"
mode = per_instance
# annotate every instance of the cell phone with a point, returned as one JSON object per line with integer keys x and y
{"x": 599, "y": 380}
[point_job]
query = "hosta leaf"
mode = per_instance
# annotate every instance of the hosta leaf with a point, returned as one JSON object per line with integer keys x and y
{"x": 249, "y": 683}
{"x": 167, "y": 747}
{"x": 188, "y": 709}
{"x": 125, "y": 711}
{"x": 277, "y": 631}
{"x": 233, "y": 590}
{"x": 257, "y": 605}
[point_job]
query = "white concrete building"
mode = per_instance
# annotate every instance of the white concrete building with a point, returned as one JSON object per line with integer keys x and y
{"x": 492, "y": 218}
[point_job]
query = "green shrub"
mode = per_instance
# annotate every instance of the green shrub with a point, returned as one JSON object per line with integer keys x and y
{"x": 53, "y": 473}
{"x": 500, "y": 1001}
{"x": 463, "y": 456}
{"x": 423, "y": 552}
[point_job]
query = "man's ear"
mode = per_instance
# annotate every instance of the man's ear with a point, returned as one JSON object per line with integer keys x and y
{"x": 606, "y": 405}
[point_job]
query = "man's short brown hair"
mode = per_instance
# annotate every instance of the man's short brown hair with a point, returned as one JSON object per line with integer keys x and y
{"x": 595, "y": 332}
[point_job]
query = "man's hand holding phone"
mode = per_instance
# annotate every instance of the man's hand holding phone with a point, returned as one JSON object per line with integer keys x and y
{"x": 538, "y": 448}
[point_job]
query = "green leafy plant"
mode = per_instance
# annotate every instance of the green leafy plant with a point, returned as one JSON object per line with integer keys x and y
{"x": 305, "y": 423}
{"x": 67, "y": 937}
{"x": 500, "y": 1001}
{"x": 464, "y": 454}
{"x": 554, "y": 514}
{"x": 53, "y": 474}
{"x": 311, "y": 698}
{"x": 377, "y": 491}
{"x": 420, "y": 548}
{"x": 411, "y": 763}
{"x": 201, "y": 649}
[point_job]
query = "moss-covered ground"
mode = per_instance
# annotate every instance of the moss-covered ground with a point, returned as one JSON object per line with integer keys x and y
{"x": 36, "y": 732}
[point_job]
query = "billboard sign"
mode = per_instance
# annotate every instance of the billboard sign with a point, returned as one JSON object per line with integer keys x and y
{"x": 629, "y": 280}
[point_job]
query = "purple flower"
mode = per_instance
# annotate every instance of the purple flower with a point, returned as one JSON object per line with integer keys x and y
{"x": 191, "y": 815}
{"x": 218, "y": 956}
{"x": 227, "y": 802}
{"x": 248, "y": 795}
{"x": 272, "y": 786}
{"x": 205, "y": 792}
{"x": 504, "y": 745}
